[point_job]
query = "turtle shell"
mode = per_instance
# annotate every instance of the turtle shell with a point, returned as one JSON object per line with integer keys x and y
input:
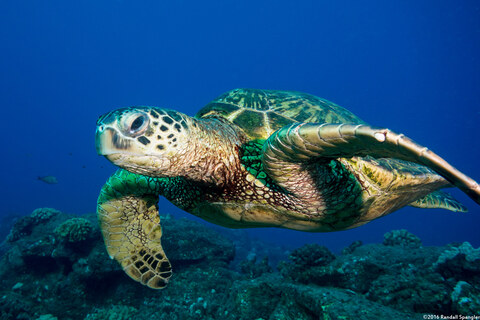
{"x": 261, "y": 112}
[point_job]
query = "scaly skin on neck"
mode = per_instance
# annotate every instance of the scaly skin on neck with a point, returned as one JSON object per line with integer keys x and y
{"x": 212, "y": 154}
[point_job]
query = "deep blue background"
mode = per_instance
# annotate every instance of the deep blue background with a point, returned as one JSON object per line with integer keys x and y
{"x": 412, "y": 66}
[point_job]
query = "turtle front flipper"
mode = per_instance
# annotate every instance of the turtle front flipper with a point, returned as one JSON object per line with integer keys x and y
{"x": 301, "y": 142}
{"x": 127, "y": 210}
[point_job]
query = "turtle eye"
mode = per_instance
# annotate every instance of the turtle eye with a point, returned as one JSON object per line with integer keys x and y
{"x": 136, "y": 124}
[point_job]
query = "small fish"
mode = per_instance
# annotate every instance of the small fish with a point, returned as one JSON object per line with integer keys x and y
{"x": 48, "y": 179}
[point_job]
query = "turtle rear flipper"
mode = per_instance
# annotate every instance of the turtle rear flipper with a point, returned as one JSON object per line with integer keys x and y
{"x": 131, "y": 228}
{"x": 439, "y": 200}
{"x": 301, "y": 142}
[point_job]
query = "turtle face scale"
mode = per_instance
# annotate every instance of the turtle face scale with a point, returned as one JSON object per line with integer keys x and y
{"x": 144, "y": 140}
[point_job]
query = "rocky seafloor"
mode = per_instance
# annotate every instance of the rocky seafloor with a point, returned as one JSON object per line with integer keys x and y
{"x": 54, "y": 266}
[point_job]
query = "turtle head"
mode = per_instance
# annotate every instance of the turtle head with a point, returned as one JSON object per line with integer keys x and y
{"x": 144, "y": 140}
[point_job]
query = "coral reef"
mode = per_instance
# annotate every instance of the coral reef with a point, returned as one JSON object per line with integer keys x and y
{"x": 465, "y": 298}
{"x": 351, "y": 248}
{"x": 24, "y": 226}
{"x": 57, "y": 268}
{"x": 188, "y": 242}
{"x": 74, "y": 230}
{"x": 461, "y": 260}
{"x": 307, "y": 263}
{"x": 253, "y": 270}
{"x": 43, "y": 214}
{"x": 115, "y": 312}
{"x": 47, "y": 317}
{"x": 400, "y": 274}
{"x": 401, "y": 238}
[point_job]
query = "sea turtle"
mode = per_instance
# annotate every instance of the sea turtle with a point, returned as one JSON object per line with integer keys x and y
{"x": 257, "y": 158}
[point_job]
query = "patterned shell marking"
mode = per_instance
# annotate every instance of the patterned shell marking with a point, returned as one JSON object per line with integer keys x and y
{"x": 261, "y": 112}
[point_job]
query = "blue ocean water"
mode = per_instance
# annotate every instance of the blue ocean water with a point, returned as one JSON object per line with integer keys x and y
{"x": 411, "y": 66}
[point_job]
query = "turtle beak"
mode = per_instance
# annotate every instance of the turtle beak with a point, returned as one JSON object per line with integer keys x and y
{"x": 103, "y": 140}
{"x": 108, "y": 141}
